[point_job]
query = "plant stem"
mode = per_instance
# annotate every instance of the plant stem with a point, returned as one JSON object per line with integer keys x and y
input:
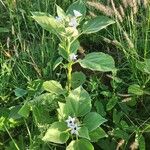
{"x": 69, "y": 75}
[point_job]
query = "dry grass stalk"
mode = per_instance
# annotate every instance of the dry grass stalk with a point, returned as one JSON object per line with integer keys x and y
{"x": 104, "y": 9}
{"x": 145, "y": 3}
{"x": 135, "y": 6}
{"x": 92, "y": 14}
{"x": 134, "y": 145}
{"x": 125, "y": 4}
{"x": 117, "y": 14}
{"x": 121, "y": 142}
{"x": 122, "y": 13}
{"x": 131, "y": 45}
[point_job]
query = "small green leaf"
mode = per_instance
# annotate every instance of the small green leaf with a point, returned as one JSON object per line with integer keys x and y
{"x": 117, "y": 116}
{"x": 74, "y": 46}
{"x": 57, "y": 62}
{"x": 111, "y": 103}
{"x": 20, "y": 92}
{"x": 78, "y": 6}
{"x": 78, "y": 78}
{"x": 62, "y": 50}
{"x": 57, "y": 133}
{"x": 100, "y": 108}
{"x": 53, "y": 87}
{"x": 141, "y": 141}
{"x": 60, "y": 12}
{"x": 78, "y": 102}
{"x": 84, "y": 133}
{"x": 14, "y": 112}
{"x": 25, "y": 110}
{"x": 93, "y": 120}
{"x": 97, "y": 134}
{"x": 144, "y": 66}
{"x": 135, "y": 89}
{"x": 81, "y": 144}
{"x": 98, "y": 61}
{"x": 96, "y": 24}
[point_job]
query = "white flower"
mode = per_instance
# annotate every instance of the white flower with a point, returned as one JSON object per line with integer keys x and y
{"x": 74, "y": 129}
{"x": 70, "y": 122}
{"x": 73, "y": 57}
{"x": 77, "y": 13}
{"x": 58, "y": 18}
{"x": 73, "y": 22}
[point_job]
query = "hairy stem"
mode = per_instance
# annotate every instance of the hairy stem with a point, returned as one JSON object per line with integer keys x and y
{"x": 69, "y": 75}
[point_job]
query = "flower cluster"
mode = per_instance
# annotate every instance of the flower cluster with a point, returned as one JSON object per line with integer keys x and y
{"x": 71, "y": 21}
{"x": 72, "y": 124}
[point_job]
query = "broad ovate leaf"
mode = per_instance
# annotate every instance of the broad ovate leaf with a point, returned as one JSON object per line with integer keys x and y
{"x": 48, "y": 23}
{"x": 93, "y": 120}
{"x": 57, "y": 133}
{"x": 98, "y": 61}
{"x": 78, "y": 102}
{"x": 77, "y": 6}
{"x": 81, "y": 144}
{"x": 96, "y": 24}
{"x": 53, "y": 86}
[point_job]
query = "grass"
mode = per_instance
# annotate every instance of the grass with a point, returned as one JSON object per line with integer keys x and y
{"x": 28, "y": 54}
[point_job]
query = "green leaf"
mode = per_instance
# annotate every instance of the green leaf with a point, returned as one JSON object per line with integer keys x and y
{"x": 81, "y": 144}
{"x": 144, "y": 66}
{"x": 62, "y": 111}
{"x": 78, "y": 102}
{"x": 141, "y": 141}
{"x": 20, "y": 92}
{"x": 57, "y": 62}
{"x": 43, "y": 105}
{"x": 44, "y": 99}
{"x": 78, "y": 6}
{"x": 98, "y": 61}
{"x": 14, "y": 112}
{"x": 48, "y": 23}
{"x": 121, "y": 134}
{"x": 96, "y": 24}
{"x": 100, "y": 108}
{"x": 111, "y": 103}
{"x": 84, "y": 133}
{"x": 57, "y": 133}
{"x": 53, "y": 87}
{"x": 62, "y": 50}
{"x": 93, "y": 120}
{"x": 97, "y": 134}
{"x": 3, "y": 30}
{"x": 78, "y": 78}
{"x": 25, "y": 110}
{"x": 74, "y": 46}
{"x": 117, "y": 116}
{"x": 135, "y": 89}
{"x": 60, "y": 12}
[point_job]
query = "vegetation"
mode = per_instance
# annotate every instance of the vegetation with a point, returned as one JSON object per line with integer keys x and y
{"x": 75, "y": 75}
